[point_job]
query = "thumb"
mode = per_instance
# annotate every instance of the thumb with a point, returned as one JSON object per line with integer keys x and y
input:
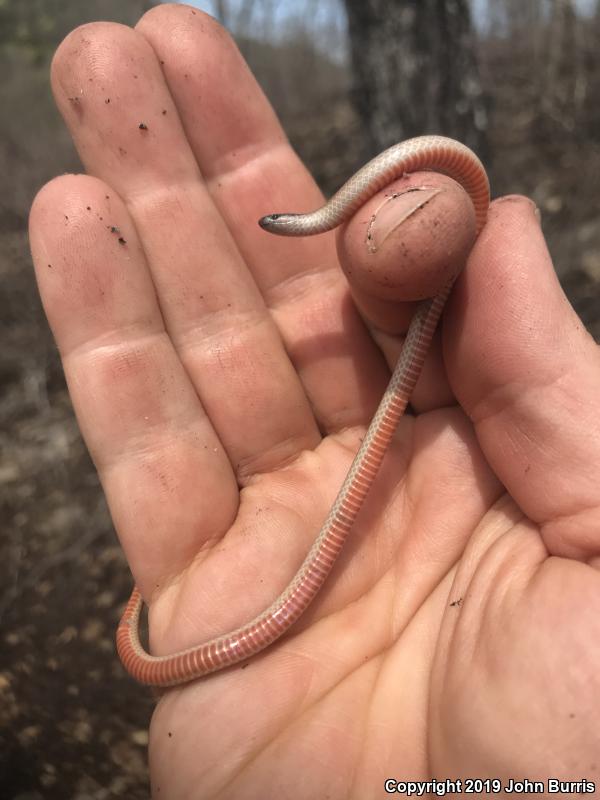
{"x": 528, "y": 375}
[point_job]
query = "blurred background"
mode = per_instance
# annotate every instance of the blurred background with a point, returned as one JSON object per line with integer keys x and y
{"x": 517, "y": 80}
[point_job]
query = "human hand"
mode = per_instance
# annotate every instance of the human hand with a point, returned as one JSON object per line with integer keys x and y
{"x": 223, "y": 379}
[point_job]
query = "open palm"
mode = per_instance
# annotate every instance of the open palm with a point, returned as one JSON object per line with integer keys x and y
{"x": 223, "y": 380}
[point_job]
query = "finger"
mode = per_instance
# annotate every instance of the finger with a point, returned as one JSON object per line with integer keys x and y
{"x": 251, "y": 170}
{"x": 528, "y": 374}
{"x": 404, "y": 245}
{"x": 107, "y": 81}
{"x": 168, "y": 482}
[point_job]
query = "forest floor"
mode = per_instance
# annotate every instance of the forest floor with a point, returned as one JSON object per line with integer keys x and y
{"x": 73, "y": 726}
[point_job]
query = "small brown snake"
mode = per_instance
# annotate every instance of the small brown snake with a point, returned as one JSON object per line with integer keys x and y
{"x": 423, "y": 153}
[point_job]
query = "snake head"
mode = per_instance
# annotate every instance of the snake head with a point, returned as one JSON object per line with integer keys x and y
{"x": 283, "y": 224}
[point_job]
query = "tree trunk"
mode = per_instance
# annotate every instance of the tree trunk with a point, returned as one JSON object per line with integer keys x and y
{"x": 414, "y": 71}
{"x": 564, "y": 90}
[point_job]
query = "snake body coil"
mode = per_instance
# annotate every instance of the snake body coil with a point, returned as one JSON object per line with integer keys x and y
{"x": 426, "y": 152}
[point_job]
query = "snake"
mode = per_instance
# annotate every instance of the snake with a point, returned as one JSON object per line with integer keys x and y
{"x": 436, "y": 153}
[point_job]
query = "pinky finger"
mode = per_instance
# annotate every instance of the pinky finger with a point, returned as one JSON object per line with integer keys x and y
{"x": 168, "y": 481}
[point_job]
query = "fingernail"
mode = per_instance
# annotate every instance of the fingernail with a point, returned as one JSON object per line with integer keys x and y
{"x": 394, "y": 211}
